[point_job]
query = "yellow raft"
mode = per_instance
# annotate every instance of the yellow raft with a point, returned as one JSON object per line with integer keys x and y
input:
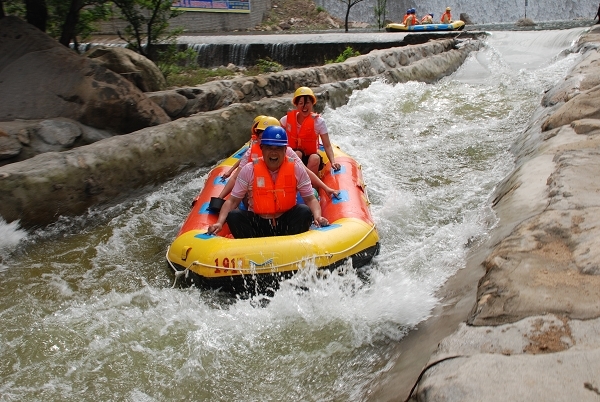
{"x": 253, "y": 265}
{"x": 453, "y": 26}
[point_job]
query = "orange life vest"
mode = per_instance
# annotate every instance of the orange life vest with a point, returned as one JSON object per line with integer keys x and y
{"x": 272, "y": 198}
{"x": 446, "y": 18}
{"x": 255, "y": 151}
{"x": 410, "y": 20}
{"x": 306, "y": 140}
{"x": 427, "y": 19}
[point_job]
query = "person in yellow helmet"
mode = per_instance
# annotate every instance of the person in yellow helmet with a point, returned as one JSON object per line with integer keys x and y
{"x": 258, "y": 127}
{"x": 271, "y": 184}
{"x": 446, "y": 18}
{"x": 304, "y": 129}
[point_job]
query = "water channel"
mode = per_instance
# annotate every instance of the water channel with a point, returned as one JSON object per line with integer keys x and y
{"x": 87, "y": 305}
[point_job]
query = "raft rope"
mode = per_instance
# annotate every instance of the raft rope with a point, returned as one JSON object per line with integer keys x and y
{"x": 178, "y": 273}
{"x": 252, "y": 269}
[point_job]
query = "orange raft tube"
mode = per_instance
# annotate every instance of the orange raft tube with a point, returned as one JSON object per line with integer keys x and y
{"x": 252, "y": 265}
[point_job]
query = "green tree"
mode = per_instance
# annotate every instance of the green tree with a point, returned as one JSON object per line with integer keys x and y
{"x": 349, "y": 4}
{"x": 61, "y": 19}
{"x": 77, "y": 18}
{"x": 380, "y": 10}
{"x": 148, "y": 22}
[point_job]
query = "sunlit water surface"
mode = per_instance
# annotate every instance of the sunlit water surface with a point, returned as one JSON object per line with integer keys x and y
{"x": 87, "y": 308}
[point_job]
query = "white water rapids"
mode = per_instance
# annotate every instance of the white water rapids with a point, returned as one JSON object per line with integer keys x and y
{"x": 87, "y": 308}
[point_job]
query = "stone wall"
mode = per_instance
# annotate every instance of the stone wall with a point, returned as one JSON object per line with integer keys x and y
{"x": 427, "y": 62}
{"x": 533, "y": 332}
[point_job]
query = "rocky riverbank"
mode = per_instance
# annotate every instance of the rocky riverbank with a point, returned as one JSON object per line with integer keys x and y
{"x": 533, "y": 332}
{"x": 38, "y": 190}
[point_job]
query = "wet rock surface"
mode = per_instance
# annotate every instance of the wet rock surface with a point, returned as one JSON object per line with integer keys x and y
{"x": 533, "y": 332}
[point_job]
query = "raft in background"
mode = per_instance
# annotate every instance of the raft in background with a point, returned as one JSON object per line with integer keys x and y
{"x": 454, "y": 26}
{"x": 257, "y": 265}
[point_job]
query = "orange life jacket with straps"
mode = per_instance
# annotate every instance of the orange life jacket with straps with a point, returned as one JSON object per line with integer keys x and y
{"x": 255, "y": 151}
{"x": 272, "y": 198}
{"x": 410, "y": 20}
{"x": 446, "y": 18}
{"x": 306, "y": 140}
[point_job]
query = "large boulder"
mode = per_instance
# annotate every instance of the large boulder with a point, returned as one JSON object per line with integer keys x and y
{"x": 139, "y": 70}
{"x": 24, "y": 139}
{"x": 41, "y": 79}
{"x": 583, "y": 106}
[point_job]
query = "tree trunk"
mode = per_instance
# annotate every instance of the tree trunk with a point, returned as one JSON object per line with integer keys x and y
{"x": 347, "y": 16}
{"x": 68, "y": 28}
{"x": 2, "y": 13}
{"x": 37, "y": 13}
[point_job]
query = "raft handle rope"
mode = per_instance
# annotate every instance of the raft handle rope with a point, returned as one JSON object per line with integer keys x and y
{"x": 273, "y": 268}
{"x": 178, "y": 273}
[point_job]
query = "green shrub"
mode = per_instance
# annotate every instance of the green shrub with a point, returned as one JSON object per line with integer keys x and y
{"x": 174, "y": 61}
{"x": 320, "y": 9}
{"x": 268, "y": 66}
{"x": 346, "y": 54}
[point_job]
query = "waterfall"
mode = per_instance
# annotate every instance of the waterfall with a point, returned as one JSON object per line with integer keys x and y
{"x": 212, "y": 54}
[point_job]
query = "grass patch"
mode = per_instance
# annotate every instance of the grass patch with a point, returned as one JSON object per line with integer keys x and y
{"x": 189, "y": 75}
{"x": 192, "y": 76}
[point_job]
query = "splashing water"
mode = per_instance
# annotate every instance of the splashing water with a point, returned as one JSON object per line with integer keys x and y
{"x": 87, "y": 306}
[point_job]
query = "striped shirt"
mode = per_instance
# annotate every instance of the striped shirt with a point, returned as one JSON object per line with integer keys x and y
{"x": 245, "y": 179}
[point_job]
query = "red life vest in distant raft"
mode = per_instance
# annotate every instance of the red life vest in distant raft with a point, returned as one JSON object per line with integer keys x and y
{"x": 446, "y": 18}
{"x": 272, "y": 198}
{"x": 410, "y": 20}
{"x": 306, "y": 140}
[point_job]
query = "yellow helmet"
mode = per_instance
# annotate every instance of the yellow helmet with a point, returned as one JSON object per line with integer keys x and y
{"x": 448, "y": 9}
{"x": 257, "y": 120}
{"x": 304, "y": 91}
{"x": 266, "y": 122}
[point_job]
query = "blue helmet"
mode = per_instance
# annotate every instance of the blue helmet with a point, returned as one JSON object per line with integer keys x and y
{"x": 274, "y": 135}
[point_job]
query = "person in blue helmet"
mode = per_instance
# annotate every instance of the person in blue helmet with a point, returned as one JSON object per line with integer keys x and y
{"x": 271, "y": 183}
{"x": 406, "y": 16}
{"x": 427, "y": 19}
{"x": 411, "y": 19}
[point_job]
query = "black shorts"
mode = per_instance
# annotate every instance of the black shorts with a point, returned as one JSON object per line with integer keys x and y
{"x": 305, "y": 159}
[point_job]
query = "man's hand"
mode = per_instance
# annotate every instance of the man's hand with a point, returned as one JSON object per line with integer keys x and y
{"x": 331, "y": 193}
{"x": 214, "y": 228}
{"x": 321, "y": 222}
